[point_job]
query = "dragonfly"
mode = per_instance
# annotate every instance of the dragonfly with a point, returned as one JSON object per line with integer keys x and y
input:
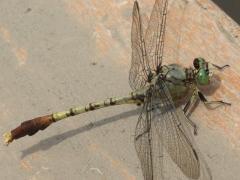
{"x": 166, "y": 93}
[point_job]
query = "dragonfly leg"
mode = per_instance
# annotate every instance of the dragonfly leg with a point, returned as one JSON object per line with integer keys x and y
{"x": 191, "y": 102}
{"x": 189, "y": 105}
{"x": 209, "y": 103}
{"x": 139, "y": 103}
{"x": 194, "y": 125}
{"x": 220, "y": 67}
{"x": 144, "y": 132}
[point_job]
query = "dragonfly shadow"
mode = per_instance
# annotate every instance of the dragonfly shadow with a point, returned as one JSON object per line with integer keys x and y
{"x": 212, "y": 87}
{"x": 48, "y": 143}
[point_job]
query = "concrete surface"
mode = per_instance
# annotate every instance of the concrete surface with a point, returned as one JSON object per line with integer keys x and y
{"x": 62, "y": 53}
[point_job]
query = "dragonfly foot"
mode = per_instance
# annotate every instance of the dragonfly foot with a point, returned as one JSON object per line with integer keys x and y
{"x": 220, "y": 67}
{"x": 226, "y": 103}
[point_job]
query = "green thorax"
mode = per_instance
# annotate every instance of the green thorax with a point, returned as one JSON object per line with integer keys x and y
{"x": 179, "y": 82}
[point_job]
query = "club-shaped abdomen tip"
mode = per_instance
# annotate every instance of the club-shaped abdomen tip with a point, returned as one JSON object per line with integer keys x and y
{"x": 8, "y": 138}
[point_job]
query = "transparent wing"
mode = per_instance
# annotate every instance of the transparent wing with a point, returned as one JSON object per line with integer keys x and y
{"x": 149, "y": 52}
{"x": 164, "y": 144}
{"x": 155, "y": 33}
{"x": 174, "y": 33}
{"x": 147, "y": 145}
{"x": 138, "y": 73}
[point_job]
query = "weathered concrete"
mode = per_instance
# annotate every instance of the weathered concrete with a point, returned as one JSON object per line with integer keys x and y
{"x": 62, "y": 53}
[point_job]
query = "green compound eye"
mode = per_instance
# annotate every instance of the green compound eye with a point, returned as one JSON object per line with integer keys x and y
{"x": 202, "y": 77}
{"x": 196, "y": 63}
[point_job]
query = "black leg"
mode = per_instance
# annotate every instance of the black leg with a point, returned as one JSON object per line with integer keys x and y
{"x": 187, "y": 106}
{"x": 190, "y": 104}
{"x": 143, "y": 133}
{"x": 220, "y": 67}
{"x": 208, "y": 103}
{"x": 194, "y": 125}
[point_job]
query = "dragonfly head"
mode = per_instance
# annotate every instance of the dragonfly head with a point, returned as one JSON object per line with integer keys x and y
{"x": 202, "y": 75}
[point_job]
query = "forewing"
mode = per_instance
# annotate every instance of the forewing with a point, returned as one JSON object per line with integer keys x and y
{"x": 138, "y": 73}
{"x": 175, "y": 29}
{"x": 155, "y": 33}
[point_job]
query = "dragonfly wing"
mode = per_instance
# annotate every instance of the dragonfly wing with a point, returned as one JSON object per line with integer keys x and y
{"x": 173, "y": 133}
{"x": 175, "y": 31}
{"x": 148, "y": 146}
{"x": 155, "y": 33}
{"x": 138, "y": 72}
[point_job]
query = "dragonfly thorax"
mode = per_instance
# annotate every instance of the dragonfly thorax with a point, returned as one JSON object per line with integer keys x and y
{"x": 179, "y": 80}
